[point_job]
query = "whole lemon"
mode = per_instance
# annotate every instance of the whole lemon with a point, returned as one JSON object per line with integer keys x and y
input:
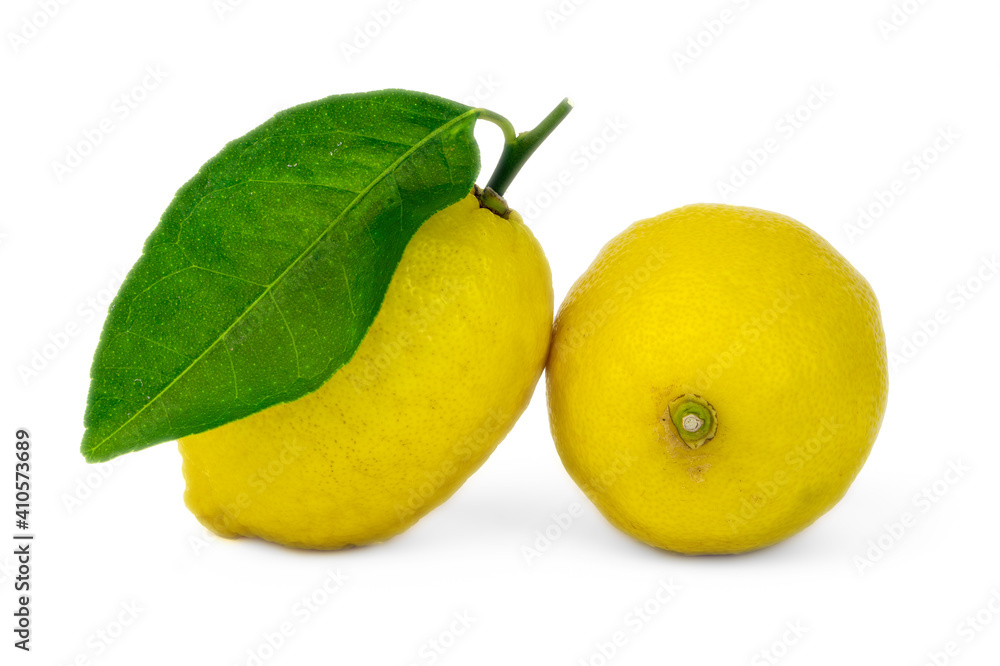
{"x": 717, "y": 378}
{"x": 446, "y": 368}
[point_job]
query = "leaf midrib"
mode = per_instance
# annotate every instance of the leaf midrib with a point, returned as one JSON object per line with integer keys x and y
{"x": 267, "y": 290}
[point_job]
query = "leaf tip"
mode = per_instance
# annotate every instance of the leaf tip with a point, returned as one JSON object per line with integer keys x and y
{"x": 92, "y": 450}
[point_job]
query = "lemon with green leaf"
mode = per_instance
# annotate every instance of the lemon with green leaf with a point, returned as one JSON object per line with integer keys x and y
{"x": 446, "y": 368}
{"x": 333, "y": 321}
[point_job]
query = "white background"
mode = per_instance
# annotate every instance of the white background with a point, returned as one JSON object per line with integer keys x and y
{"x": 857, "y": 589}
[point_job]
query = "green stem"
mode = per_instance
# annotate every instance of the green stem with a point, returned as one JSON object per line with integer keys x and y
{"x": 519, "y": 147}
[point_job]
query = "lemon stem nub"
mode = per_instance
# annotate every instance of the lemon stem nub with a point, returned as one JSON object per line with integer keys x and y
{"x": 692, "y": 423}
{"x": 492, "y": 201}
{"x": 694, "y": 419}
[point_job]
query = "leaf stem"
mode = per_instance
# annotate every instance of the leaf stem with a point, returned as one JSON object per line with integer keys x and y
{"x": 519, "y": 147}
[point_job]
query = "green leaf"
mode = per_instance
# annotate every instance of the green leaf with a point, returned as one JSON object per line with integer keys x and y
{"x": 269, "y": 266}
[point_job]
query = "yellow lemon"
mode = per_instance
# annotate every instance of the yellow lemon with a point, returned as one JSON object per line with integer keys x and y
{"x": 717, "y": 378}
{"x": 446, "y": 368}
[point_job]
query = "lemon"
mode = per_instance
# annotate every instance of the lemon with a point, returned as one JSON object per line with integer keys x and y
{"x": 446, "y": 368}
{"x": 717, "y": 378}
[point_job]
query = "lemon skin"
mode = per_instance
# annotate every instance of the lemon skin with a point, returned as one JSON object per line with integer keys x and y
{"x": 446, "y": 368}
{"x": 751, "y": 312}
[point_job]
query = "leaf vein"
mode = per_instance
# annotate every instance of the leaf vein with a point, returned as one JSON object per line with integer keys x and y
{"x": 236, "y": 384}
{"x": 291, "y": 336}
{"x": 347, "y": 287}
{"x": 157, "y": 343}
